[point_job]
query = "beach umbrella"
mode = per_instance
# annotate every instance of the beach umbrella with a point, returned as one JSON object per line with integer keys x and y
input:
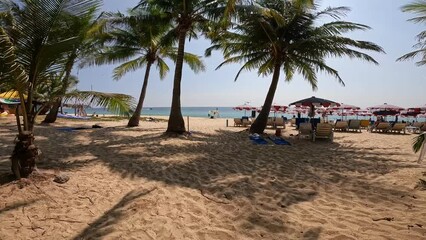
{"x": 11, "y": 95}
{"x": 278, "y": 108}
{"x": 313, "y": 102}
{"x": 385, "y": 110}
{"x": 344, "y": 107}
{"x": 418, "y": 109}
{"x": 245, "y": 107}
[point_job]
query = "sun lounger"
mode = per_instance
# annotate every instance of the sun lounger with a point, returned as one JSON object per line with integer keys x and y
{"x": 365, "y": 124}
{"x": 341, "y": 126}
{"x": 279, "y": 121}
{"x": 305, "y": 130}
{"x": 398, "y": 127}
{"x": 238, "y": 122}
{"x": 354, "y": 125}
{"x": 382, "y": 127}
{"x": 246, "y": 122}
{"x": 270, "y": 122}
{"x": 323, "y": 130}
{"x": 293, "y": 122}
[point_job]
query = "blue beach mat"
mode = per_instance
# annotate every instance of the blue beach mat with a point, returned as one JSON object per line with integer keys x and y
{"x": 257, "y": 139}
{"x": 279, "y": 140}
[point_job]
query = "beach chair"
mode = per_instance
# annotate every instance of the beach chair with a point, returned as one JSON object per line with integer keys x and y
{"x": 293, "y": 122}
{"x": 305, "y": 130}
{"x": 417, "y": 126}
{"x": 398, "y": 127}
{"x": 270, "y": 122}
{"x": 279, "y": 121}
{"x": 323, "y": 130}
{"x": 381, "y": 127}
{"x": 341, "y": 126}
{"x": 238, "y": 122}
{"x": 354, "y": 125}
{"x": 365, "y": 124}
{"x": 246, "y": 122}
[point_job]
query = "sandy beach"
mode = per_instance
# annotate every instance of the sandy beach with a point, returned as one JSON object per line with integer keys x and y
{"x": 214, "y": 184}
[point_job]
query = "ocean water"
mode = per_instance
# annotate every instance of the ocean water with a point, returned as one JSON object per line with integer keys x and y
{"x": 224, "y": 112}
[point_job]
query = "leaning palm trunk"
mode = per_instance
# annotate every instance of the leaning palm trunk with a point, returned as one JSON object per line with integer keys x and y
{"x": 134, "y": 120}
{"x": 176, "y": 123}
{"x": 259, "y": 124}
{"x": 53, "y": 112}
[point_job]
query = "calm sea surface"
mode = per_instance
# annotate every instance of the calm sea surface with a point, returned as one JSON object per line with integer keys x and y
{"x": 224, "y": 112}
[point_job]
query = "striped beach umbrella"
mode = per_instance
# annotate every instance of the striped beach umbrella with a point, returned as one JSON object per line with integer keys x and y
{"x": 245, "y": 107}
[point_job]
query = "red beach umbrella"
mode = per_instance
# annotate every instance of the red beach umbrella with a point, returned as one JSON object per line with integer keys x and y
{"x": 245, "y": 107}
{"x": 344, "y": 107}
{"x": 418, "y": 109}
{"x": 385, "y": 109}
{"x": 278, "y": 108}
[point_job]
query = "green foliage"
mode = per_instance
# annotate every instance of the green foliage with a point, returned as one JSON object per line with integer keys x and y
{"x": 136, "y": 40}
{"x": 288, "y": 33}
{"x": 419, "y": 9}
{"x": 34, "y": 44}
{"x": 418, "y": 142}
{"x": 114, "y": 102}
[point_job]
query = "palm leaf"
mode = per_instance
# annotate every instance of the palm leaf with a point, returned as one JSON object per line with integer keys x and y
{"x": 121, "y": 104}
{"x": 418, "y": 142}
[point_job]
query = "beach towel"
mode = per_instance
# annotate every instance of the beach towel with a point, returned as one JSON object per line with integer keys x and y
{"x": 279, "y": 140}
{"x": 257, "y": 139}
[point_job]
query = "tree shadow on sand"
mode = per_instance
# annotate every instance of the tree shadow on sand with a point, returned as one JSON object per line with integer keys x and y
{"x": 286, "y": 175}
{"x": 105, "y": 224}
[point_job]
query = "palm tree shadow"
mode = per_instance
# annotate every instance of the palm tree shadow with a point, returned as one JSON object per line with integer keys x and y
{"x": 18, "y": 205}
{"x": 105, "y": 224}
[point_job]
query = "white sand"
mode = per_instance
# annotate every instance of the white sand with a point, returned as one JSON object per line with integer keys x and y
{"x": 138, "y": 184}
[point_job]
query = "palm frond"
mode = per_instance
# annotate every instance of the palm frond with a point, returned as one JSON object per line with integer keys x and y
{"x": 121, "y": 104}
{"x": 418, "y": 142}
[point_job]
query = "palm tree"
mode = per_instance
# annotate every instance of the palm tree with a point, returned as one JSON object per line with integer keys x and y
{"x": 83, "y": 29}
{"x": 52, "y": 90}
{"x": 188, "y": 18}
{"x": 271, "y": 36}
{"x": 31, "y": 50}
{"x": 141, "y": 39}
{"x": 418, "y": 8}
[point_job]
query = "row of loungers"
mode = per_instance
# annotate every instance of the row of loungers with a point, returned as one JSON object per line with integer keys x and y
{"x": 323, "y": 130}
{"x": 352, "y": 125}
{"x": 385, "y": 127}
{"x": 272, "y": 122}
{"x": 357, "y": 125}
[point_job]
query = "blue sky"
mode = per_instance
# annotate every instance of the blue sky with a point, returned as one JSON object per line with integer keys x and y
{"x": 398, "y": 83}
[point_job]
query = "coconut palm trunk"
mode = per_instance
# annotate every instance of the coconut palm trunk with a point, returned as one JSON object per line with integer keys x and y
{"x": 53, "y": 112}
{"x": 134, "y": 120}
{"x": 25, "y": 153}
{"x": 259, "y": 124}
{"x": 176, "y": 123}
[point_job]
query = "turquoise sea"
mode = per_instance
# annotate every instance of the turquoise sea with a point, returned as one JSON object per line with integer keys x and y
{"x": 224, "y": 112}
